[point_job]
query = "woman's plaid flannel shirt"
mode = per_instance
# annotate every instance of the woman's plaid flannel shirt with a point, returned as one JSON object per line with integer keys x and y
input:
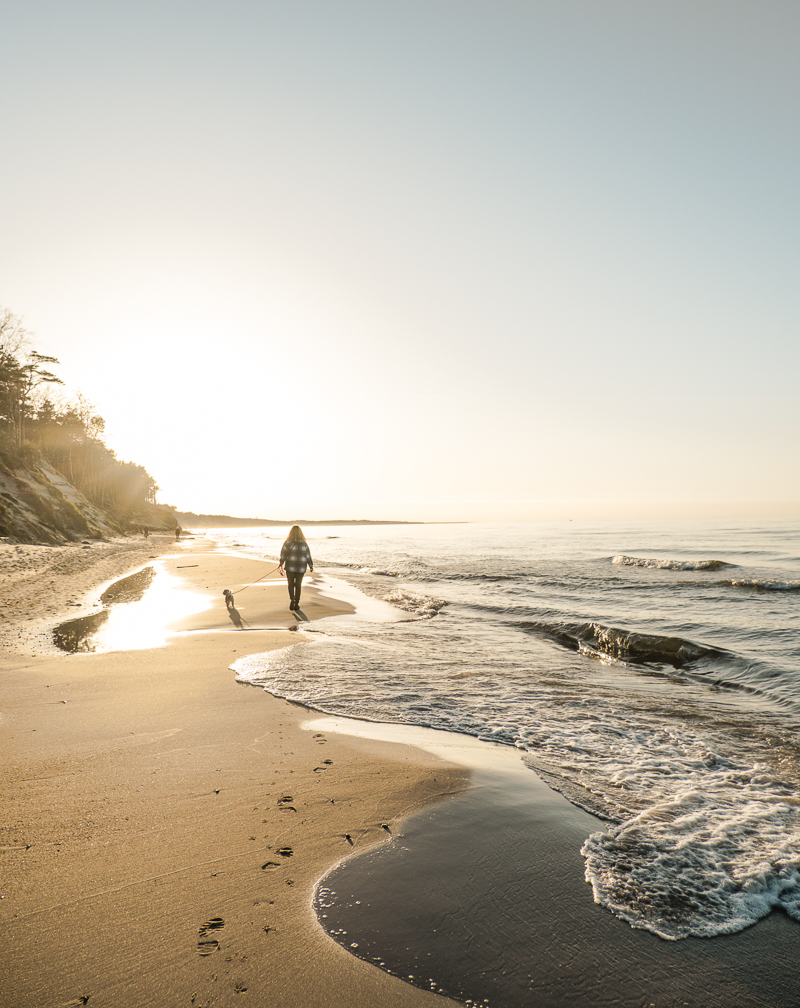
{"x": 295, "y": 556}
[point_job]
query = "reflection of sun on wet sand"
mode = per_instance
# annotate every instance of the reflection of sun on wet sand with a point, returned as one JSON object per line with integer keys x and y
{"x": 166, "y": 825}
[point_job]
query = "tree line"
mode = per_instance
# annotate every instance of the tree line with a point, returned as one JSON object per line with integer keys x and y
{"x": 35, "y": 419}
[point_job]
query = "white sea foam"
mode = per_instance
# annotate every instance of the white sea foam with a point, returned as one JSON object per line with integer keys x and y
{"x": 762, "y": 584}
{"x": 421, "y": 605}
{"x": 716, "y": 845}
{"x": 630, "y": 561}
{"x": 699, "y": 863}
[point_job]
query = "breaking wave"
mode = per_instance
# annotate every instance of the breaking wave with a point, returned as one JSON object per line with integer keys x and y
{"x": 711, "y": 858}
{"x": 468, "y": 576}
{"x": 596, "y": 640}
{"x": 762, "y": 584}
{"x": 630, "y": 561}
{"x": 421, "y": 606}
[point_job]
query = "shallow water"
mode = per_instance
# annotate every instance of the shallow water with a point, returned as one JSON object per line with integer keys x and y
{"x": 138, "y": 612}
{"x": 482, "y": 898}
{"x": 81, "y": 634}
{"x": 651, "y": 672}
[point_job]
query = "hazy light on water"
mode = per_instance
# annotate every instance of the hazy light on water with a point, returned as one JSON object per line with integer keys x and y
{"x": 150, "y": 622}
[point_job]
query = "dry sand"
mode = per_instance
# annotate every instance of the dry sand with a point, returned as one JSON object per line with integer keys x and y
{"x": 164, "y": 826}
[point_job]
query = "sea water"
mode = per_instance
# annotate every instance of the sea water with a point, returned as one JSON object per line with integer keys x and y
{"x": 648, "y": 671}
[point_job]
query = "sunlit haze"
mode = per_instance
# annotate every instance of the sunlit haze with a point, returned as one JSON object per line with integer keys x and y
{"x": 416, "y": 259}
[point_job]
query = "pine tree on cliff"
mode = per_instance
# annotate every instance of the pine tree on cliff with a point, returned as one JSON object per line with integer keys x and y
{"x": 68, "y": 434}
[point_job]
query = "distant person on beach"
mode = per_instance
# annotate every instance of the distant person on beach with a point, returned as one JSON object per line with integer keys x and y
{"x": 178, "y": 531}
{"x": 295, "y": 556}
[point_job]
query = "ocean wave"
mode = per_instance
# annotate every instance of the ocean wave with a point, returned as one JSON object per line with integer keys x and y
{"x": 422, "y": 606}
{"x": 415, "y": 570}
{"x": 468, "y": 576}
{"x": 704, "y": 841}
{"x": 705, "y": 861}
{"x": 630, "y": 561}
{"x": 717, "y": 845}
{"x": 625, "y": 645}
{"x": 361, "y": 568}
{"x": 761, "y": 584}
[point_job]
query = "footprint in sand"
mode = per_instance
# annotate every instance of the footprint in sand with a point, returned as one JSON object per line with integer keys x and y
{"x": 285, "y": 852}
{"x": 206, "y": 945}
{"x": 270, "y": 866}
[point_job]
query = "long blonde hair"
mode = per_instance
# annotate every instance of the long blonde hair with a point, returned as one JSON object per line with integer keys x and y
{"x": 295, "y": 534}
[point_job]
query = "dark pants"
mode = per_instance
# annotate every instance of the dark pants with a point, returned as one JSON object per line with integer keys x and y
{"x": 295, "y": 581}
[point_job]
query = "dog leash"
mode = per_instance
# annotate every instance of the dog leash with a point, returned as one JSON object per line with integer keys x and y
{"x": 239, "y": 592}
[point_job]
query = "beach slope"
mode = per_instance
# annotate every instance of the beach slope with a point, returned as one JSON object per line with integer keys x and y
{"x": 165, "y": 826}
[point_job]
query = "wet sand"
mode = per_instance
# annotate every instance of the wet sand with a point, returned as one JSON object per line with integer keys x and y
{"x": 496, "y": 910}
{"x": 165, "y": 826}
{"x": 43, "y": 583}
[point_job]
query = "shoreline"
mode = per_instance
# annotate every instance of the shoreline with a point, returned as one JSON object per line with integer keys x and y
{"x": 167, "y": 826}
{"x": 519, "y": 928}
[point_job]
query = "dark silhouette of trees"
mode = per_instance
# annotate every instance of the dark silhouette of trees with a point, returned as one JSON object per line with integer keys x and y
{"x": 68, "y": 434}
{"x": 21, "y": 374}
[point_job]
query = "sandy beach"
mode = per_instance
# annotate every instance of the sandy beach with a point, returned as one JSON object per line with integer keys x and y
{"x": 164, "y": 825}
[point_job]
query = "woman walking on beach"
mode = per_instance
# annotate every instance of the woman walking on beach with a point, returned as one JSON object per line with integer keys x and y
{"x": 295, "y": 556}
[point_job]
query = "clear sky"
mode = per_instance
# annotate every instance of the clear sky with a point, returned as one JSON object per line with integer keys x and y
{"x": 418, "y": 258}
